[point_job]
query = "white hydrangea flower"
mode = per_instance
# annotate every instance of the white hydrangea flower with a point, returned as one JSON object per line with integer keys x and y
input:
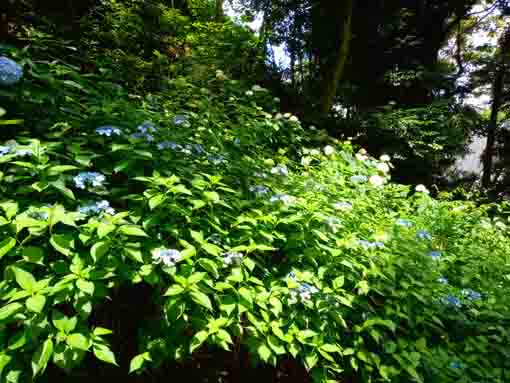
{"x": 376, "y": 181}
{"x": 294, "y": 119}
{"x": 329, "y": 150}
{"x": 383, "y": 167}
{"x": 312, "y": 128}
{"x": 278, "y": 116}
{"x": 249, "y": 93}
{"x": 422, "y": 189}
{"x": 385, "y": 158}
{"x": 305, "y": 161}
{"x": 287, "y": 115}
{"x": 257, "y": 88}
{"x": 361, "y": 157}
{"x": 314, "y": 152}
{"x": 220, "y": 75}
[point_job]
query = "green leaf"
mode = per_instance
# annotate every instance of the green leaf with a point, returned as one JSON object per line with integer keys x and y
{"x": 63, "y": 243}
{"x": 9, "y": 310}
{"x": 311, "y": 360}
{"x": 99, "y": 249}
{"x": 338, "y": 282}
{"x": 36, "y": 303}
{"x": 197, "y": 236}
{"x": 138, "y": 361}
{"x": 133, "y": 231}
{"x": 104, "y": 229}
{"x": 41, "y": 357}
{"x": 54, "y": 170}
{"x": 174, "y": 290}
{"x": 210, "y": 266}
{"x": 33, "y": 254}
{"x": 79, "y": 341}
{"x": 103, "y": 353}
{"x": 157, "y": 200}
{"x": 24, "y": 279}
{"x": 363, "y": 288}
{"x": 6, "y": 245}
{"x": 63, "y": 323}
{"x": 201, "y": 299}
{"x": 264, "y": 352}
{"x": 197, "y": 340}
{"x": 86, "y": 286}
{"x": 4, "y": 361}
{"x": 211, "y": 249}
{"x": 212, "y": 196}
{"x": 275, "y": 345}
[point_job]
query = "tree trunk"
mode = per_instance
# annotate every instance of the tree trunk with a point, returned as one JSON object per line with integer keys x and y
{"x": 333, "y": 70}
{"x": 220, "y": 13}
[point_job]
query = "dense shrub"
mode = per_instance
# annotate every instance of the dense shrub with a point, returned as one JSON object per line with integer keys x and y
{"x": 244, "y": 236}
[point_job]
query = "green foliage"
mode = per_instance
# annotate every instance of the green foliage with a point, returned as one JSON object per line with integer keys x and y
{"x": 244, "y": 236}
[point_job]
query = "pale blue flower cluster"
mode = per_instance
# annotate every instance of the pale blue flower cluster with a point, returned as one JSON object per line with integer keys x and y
{"x": 217, "y": 159}
{"x": 169, "y": 257}
{"x": 232, "y": 258}
{"x": 144, "y": 131}
{"x": 259, "y": 190}
{"x": 109, "y": 130}
{"x": 424, "y": 234}
{"x": 10, "y": 71}
{"x": 452, "y": 301}
{"x": 358, "y": 179}
{"x": 456, "y": 365}
{"x": 260, "y": 174}
{"x": 443, "y": 280}
{"x": 304, "y": 292}
{"x": 169, "y": 145}
{"x": 343, "y": 205}
{"x": 280, "y": 170}
{"x": 94, "y": 208}
{"x": 435, "y": 255}
{"x": 4, "y": 150}
{"x": 471, "y": 295}
{"x": 94, "y": 179}
{"x": 283, "y": 198}
{"x": 370, "y": 245}
{"x": 404, "y": 223}
{"x": 39, "y": 215}
{"x": 180, "y": 119}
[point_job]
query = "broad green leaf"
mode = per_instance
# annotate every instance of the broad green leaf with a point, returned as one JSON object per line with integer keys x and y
{"x": 18, "y": 340}
{"x": 86, "y": 286}
{"x": 197, "y": 236}
{"x": 36, "y": 303}
{"x": 311, "y": 360}
{"x": 275, "y": 345}
{"x": 99, "y": 249}
{"x": 6, "y": 245}
{"x": 105, "y": 354}
{"x": 33, "y": 254}
{"x": 41, "y": 357}
{"x": 63, "y": 243}
{"x": 54, "y": 170}
{"x": 138, "y": 361}
{"x": 211, "y": 249}
{"x": 79, "y": 341}
{"x": 63, "y": 323}
{"x": 264, "y": 352}
{"x": 174, "y": 290}
{"x": 338, "y": 282}
{"x": 10, "y": 208}
{"x": 24, "y": 279}
{"x": 201, "y": 299}
{"x": 210, "y": 266}
{"x": 9, "y": 310}
{"x": 99, "y": 331}
{"x": 133, "y": 231}
{"x": 212, "y": 196}
{"x": 4, "y": 361}
{"x": 157, "y": 200}
{"x": 197, "y": 340}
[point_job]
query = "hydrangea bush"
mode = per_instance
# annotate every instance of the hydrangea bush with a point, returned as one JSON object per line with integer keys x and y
{"x": 247, "y": 236}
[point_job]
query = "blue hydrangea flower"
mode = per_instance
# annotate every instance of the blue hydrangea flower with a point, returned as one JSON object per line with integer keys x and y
{"x": 237, "y": 141}
{"x": 370, "y": 245}
{"x": 292, "y": 275}
{"x": 259, "y": 190}
{"x": 232, "y": 258}
{"x": 283, "y": 198}
{"x": 451, "y": 300}
{"x": 4, "y": 150}
{"x": 94, "y": 179}
{"x": 180, "y": 119}
{"x": 435, "y": 255}
{"x": 147, "y": 127}
{"x": 280, "y": 170}
{"x": 343, "y": 206}
{"x": 443, "y": 280}
{"x": 305, "y": 292}
{"x": 358, "y": 179}
{"x": 169, "y": 257}
{"x": 216, "y": 159}
{"x": 10, "y": 71}
{"x": 108, "y": 130}
{"x": 24, "y": 152}
{"x": 97, "y": 208}
{"x": 456, "y": 365}
{"x": 198, "y": 149}
{"x": 471, "y": 294}
{"x": 39, "y": 215}
{"x": 404, "y": 223}
{"x": 424, "y": 234}
{"x": 169, "y": 145}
